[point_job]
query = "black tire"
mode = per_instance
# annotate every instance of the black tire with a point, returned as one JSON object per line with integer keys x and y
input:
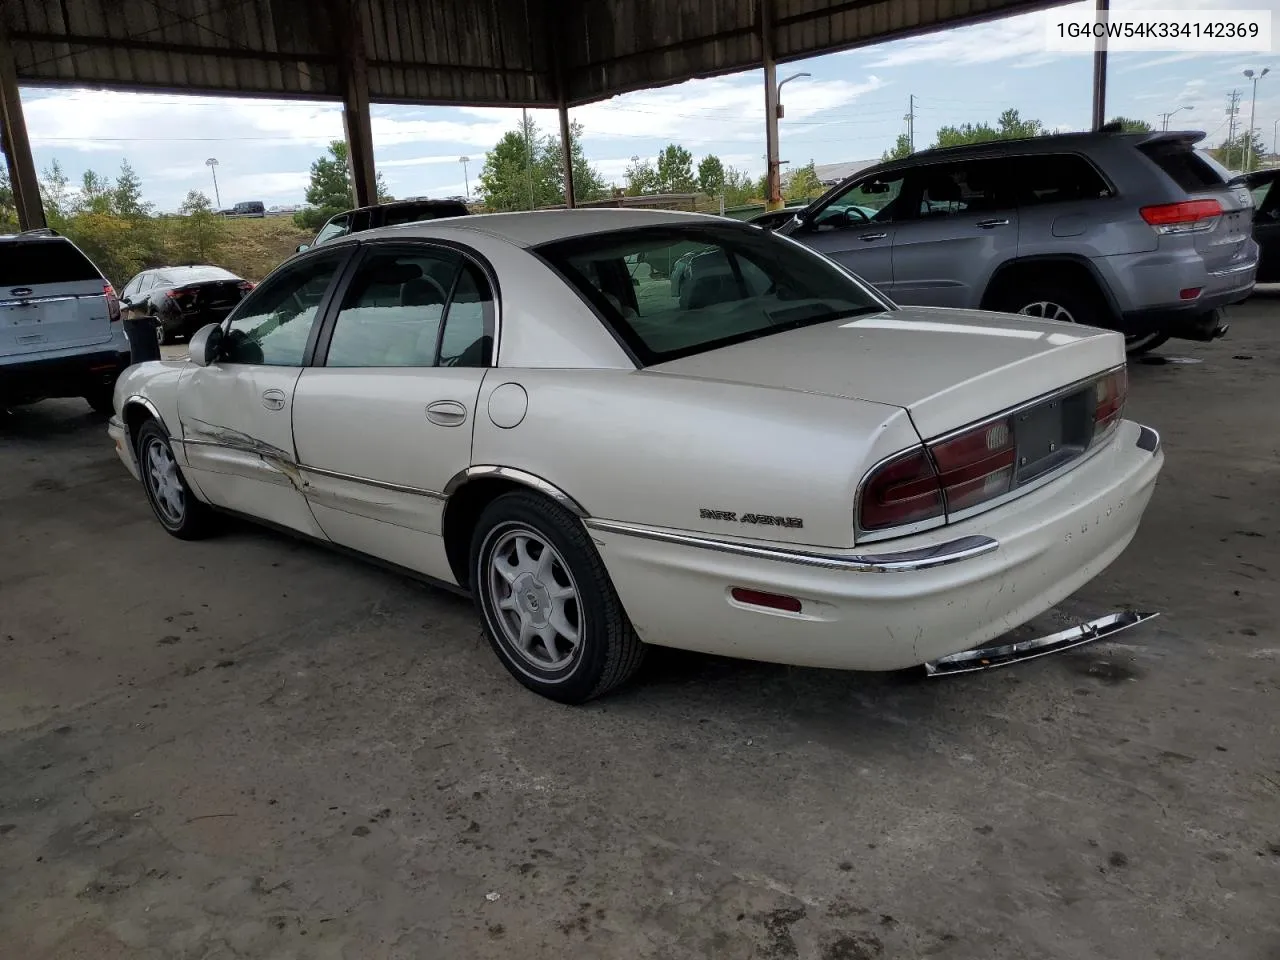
{"x": 179, "y": 512}
{"x": 1081, "y": 301}
{"x": 607, "y": 651}
{"x": 101, "y": 398}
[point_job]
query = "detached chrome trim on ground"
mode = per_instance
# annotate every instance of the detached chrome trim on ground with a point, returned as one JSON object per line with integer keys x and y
{"x": 1003, "y": 654}
{"x": 922, "y": 559}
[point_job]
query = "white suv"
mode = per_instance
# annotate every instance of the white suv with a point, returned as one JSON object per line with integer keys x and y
{"x": 60, "y": 329}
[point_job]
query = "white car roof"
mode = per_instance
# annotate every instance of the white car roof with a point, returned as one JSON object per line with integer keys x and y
{"x": 531, "y": 228}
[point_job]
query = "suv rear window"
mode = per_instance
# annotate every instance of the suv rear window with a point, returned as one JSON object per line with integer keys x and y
{"x": 1182, "y": 165}
{"x": 27, "y": 263}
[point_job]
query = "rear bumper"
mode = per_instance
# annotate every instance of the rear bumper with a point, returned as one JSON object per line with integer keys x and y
{"x": 63, "y": 376}
{"x": 184, "y": 322}
{"x": 904, "y": 609}
{"x": 1149, "y": 285}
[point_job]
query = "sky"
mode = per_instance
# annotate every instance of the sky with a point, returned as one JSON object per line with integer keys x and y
{"x": 852, "y": 107}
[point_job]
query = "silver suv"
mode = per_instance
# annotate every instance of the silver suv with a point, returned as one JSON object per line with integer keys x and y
{"x": 60, "y": 329}
{"x": 1135, "y": 232}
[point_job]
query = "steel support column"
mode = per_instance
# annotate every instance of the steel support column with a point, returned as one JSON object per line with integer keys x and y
{"x": 1102, "y": 14}
{"x": 773, "y": 170}
{"x": 355, "y": 103}
{"x": 17, "y": 148}
{"x": 566, "y": 152}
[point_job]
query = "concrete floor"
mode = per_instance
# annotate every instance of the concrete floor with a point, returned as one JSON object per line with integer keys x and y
{"x": 252, "y": 747}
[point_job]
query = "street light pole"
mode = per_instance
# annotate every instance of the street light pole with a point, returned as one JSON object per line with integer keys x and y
{"x": 212, "y": 164}
{"x": 1164, "y": 117}
{"x": 466, "y": 179}
{"x": 774, "y": 200}
{"x": 1253, "y": 106}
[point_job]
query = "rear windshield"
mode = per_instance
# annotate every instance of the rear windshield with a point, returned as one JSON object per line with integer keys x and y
{"x": 1183, "y": 165}
{"x": 196, "y": 275}
{"x": 412, "y": 214}
{"x": 27, "y": 263}
{"x": 672, "y": 291}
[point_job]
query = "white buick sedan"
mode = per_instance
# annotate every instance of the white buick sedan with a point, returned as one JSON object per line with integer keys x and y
{"x": 767, "y": 460}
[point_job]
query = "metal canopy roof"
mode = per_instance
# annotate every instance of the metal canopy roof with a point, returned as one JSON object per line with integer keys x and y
{"x": 475, "y": 52}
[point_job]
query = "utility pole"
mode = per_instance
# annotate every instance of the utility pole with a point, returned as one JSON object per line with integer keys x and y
{"x": 466, "y": 179}
{"x": 911, "y": 123}
{"x": 1253, "y": 109}
{"x": 528, "y": 153}
{"x": 1233, "y": 108}
{"x": 212, "y": 164}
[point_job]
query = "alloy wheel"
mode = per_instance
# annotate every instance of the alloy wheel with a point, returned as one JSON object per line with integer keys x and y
{"x": 534, "y": 599}
{"x": 1048, "y": 310}
{"x": 164, "y": 482}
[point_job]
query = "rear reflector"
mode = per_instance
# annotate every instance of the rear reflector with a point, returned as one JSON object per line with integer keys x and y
{"x": 1189, "y": 293}
{"x": 758, "y": 598}
{"x": 1189, "y": 216}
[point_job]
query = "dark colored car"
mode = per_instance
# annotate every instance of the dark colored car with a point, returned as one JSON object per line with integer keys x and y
{"x": 1266, "y": 220}
{"x": 385, "y": 215}
{"x": 249, "y": 208}
{"x": 183, "y": 299}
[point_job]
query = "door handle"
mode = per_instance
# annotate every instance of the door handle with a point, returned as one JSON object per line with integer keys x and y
{"x": 273, "y": 399}
{"x": 447, "y": 413}
{"x": 988, "y": 224}
{"x": 872, "y": 236}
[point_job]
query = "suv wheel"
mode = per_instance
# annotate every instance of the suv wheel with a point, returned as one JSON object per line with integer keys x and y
{"x": 1071, "y": 304}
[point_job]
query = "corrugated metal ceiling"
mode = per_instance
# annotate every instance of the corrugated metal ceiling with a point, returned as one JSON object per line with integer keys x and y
{"x": 443, "y": 51}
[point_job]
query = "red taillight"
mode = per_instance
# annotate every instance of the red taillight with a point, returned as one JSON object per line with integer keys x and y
{"x": 1189, "y": 216}
{"x": 113, "y": 302}
{"x": 758, "y": 598}
{"x": 977, "y": 465}
{"x": 245, "y": 286}
{"x": 904, "y": 490}
{"x": 1109, "y": 396}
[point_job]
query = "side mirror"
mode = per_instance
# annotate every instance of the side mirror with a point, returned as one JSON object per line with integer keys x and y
{"x": 204, "y": 344}
{"x": 302, "y": 246}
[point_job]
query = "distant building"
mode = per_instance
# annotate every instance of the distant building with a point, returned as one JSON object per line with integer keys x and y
{"x": 832, "y": 173}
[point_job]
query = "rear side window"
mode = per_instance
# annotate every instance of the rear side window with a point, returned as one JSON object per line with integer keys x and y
{"x": 1182, "y": 165}
{"x": 412, "y": 214}
{"x": 1057, "y": 178}
{"x": 28, "y": 263}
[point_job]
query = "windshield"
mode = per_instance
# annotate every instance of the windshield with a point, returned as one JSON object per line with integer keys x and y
{"x": 672, "y": 291}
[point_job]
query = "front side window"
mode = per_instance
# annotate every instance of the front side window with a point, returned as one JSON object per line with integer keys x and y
{"x": 725, "y": 285}
{"x": 337, "y": 227}
{"x": 418, "y": 308}
{"x": 873, "y": 200}
{"x": 274, "y": 321}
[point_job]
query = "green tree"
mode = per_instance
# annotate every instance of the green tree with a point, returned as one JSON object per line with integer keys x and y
{"x": 640, "y": 178}
{"x": 522, "y": 171}
{"x": 8, "y": 205}
{"x": 1130, "y": 125}
{"x": 200, "y": 232}
{"x": 803, "y": 184}
{"x": 711, "y": 175}
{"x": 675, "y": 170}
{"x": 128, "y": 194}
{"x": 1235, "y": 153}
{"x": 96, "y": 195}
{"x": 55, "y": 194}
{"x": 739, "y": 187}
{"x": 1009, "y": 126}
{"x": 900, "y": 151}
{"x": 587, "y": 182}
{"x": 331, "y": 189}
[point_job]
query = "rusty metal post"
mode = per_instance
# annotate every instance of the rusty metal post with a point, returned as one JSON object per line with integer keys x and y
{"x": 566, "y": 150}
{"x": 17, "y": 147}
{"x": 773, "y": 174}
{"x": 1101, "y": 13}
{"x": 355, "y": 104}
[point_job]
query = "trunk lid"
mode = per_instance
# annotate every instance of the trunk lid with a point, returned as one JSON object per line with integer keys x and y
{"x": 51, "y": 298}
{"x": 211, "y": 295}
{"x": 948, "y": 368}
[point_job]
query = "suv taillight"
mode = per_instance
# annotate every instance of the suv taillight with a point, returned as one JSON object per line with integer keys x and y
{"x": 969, "y": 468}
{"x": 1189, "y": 216}
{"x": 113, "y": 302}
